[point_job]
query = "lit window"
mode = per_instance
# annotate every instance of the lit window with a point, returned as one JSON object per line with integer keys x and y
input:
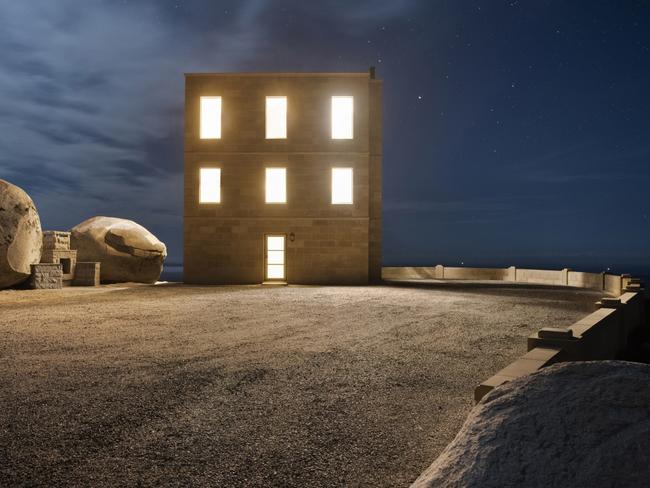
{"x": 342, "y": 117}
{"x": 276, "y": 117}
{"x": 341, "y": 185}
{"x": 210, "y": 117}
{"x": 210, "y": 185}
{"x": 276, "y": 185}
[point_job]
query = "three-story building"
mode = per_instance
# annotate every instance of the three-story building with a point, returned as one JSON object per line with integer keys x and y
{"x": 282, "y": 178}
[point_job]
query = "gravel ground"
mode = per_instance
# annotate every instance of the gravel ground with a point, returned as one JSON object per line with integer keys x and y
{"x": 174, "y": 385}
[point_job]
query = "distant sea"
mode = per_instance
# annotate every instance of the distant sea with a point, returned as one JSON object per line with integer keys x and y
{"x": 172, "y": 272}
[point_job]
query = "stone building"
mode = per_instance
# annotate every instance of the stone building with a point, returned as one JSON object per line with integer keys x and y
{"x": 282, "y": 178}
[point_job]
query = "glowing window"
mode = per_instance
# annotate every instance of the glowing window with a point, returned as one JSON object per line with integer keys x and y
{"x": 342, "y": 117}
{"x": 276, "y": 185}
{"x": 210, "y": 185}
{"x": 210, "y": 117}
{"x": 276, "y": 117}
{"x": 342, "y": 185}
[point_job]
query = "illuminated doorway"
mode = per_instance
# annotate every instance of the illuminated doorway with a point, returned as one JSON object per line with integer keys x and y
{"x": 274, "y": 257}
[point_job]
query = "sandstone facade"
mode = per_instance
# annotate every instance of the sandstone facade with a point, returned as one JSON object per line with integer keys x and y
{"x": 325, "y": 243}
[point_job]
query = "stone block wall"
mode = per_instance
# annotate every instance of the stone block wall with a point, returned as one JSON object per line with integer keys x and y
{"x": 375, "y": 174}
{"x": 323, "y": 251}
{"x": 54, "y": 239}
{"x": 56, "y": 250}
{"x": 87, "y": 274}
{"x": 66, "y": 257}
{"x": 46, "y": 276}
{"x": 601, "y": 335}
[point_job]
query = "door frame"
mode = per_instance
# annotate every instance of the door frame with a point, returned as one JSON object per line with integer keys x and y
{"x": 266, "y": 236}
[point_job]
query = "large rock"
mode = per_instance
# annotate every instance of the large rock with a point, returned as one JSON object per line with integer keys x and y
{"x": 21, "y": 237}
{"x": 573, "y": 424}
{"x": 126, "y": 250}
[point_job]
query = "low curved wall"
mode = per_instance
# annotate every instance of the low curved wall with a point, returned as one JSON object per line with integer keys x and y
{"x": 609, "y": 283}
{"x": 602, "y": 334}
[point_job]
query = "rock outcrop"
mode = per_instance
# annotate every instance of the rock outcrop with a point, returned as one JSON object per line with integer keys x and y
{"x": 126, "y": 250}
{"x": 21, "y": 237}
{"x": 581, "y": 424}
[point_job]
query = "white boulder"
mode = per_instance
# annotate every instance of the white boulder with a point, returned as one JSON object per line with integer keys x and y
{"x": 581, "y": 424}
{"x": 21, "y": 238}
{"x": 126, "y": 250}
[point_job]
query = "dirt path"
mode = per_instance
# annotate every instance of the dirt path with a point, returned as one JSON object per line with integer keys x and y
{"x": 249, "y": 386}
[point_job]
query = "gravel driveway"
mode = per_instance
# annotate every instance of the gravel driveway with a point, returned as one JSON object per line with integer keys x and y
{"x": 175, "y": 385}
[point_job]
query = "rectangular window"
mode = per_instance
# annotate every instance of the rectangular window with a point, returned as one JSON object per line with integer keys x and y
{"x": 342, "y": 117}
{"x": 210, "y": 117}
{"x": 342, "y": 185}
{"x": 276, "y": 117}
{"x": 210, "y": 185}
{"x": 276, "y": 185}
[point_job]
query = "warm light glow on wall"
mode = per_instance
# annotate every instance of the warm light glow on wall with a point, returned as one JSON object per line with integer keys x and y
{"x": 276, "y": 117}
{"x": 342, "y": 185}
{"x": 210, "y": 117}
{"x": 276, "y": 185}
{"x": 210, "y": 185}
{"x": 342, "y": 117}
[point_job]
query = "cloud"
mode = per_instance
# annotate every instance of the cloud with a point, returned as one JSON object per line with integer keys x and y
{"x": 92, "y": 106}
{"x": 93, "y": 94}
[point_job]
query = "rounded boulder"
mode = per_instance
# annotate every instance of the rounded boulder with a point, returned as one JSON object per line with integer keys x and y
{"x": 571, "y": 424}
{"x": 126, "y": 250}
{"x": 21, "y": 237}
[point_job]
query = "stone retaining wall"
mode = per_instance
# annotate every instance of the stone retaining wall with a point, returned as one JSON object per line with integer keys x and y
{"x": 600, "y": 335}
{"x": 609, "y": 283}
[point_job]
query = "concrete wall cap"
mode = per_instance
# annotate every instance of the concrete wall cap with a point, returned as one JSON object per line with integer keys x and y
{"x": 555, "y": 332}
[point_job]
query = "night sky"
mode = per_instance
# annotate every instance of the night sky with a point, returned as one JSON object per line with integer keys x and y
{"x": 515, "y": 132}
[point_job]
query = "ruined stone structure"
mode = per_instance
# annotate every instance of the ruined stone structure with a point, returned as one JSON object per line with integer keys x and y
{"x": 56, "y": 250}
{"x": 46, "y": 276}
{"x": 282, "y": 178}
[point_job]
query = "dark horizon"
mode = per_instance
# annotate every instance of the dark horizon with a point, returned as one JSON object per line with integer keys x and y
{"x": 514, "y": 133}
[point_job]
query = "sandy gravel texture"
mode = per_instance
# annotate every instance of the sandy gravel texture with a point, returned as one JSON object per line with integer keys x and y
{"x": 175, "y": 385}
